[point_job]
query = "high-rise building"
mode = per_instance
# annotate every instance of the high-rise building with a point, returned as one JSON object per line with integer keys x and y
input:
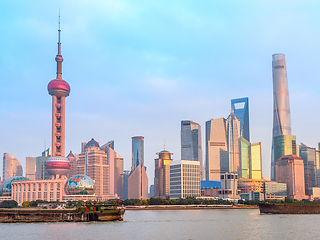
{"x": 284, "y": 145}
{"x": 115, "y": 162}
{"x": 31, "y": 168}
{"x": 240, "y": 107}
{"x": 93, "y": 162}
{"x": 191, "y": 147}
{"x": 184, "y": 179}
{"x": 256, "y": 161}
{"x": 162, "y": 174}
{"x": 251, "y": 159}
{"x": 138, "y": 179}
{"x": 318, "y": 164}
{"x": 11, "y": 167}
{"x": 126, "y": 174}
{"x": 308, "y": 155}
{"x": 58, "y": 165}
{"x": 41, "y": 171}
{"x": 137, "y": 151}
{"x": 281, "y": 106}
{"x": 233, "y": 136}
{"x": 138, "y": 183}
{"x": 73, "y": 158}
{"x": 217, "y": 156}
{"x": 290, "y": 170}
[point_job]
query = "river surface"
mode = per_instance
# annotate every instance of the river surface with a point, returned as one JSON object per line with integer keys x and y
{"x": 176, "y": 224}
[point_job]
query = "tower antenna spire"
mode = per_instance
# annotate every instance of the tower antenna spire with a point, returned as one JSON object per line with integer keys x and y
{"x": 59, "y": 58}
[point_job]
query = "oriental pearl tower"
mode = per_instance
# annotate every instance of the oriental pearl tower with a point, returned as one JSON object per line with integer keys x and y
{"x": 58, "y": 165}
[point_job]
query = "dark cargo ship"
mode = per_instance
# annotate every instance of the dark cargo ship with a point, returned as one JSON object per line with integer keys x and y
{"x": 82, "y": 214}
{"x": 289, "y": 208}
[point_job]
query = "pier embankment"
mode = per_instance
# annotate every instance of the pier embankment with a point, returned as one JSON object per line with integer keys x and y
{"x": 187, "y": 207}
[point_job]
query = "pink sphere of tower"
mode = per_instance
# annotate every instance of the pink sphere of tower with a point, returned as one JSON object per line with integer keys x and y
{"x": 58, "y": 165}
{"x": 59, "y": 88}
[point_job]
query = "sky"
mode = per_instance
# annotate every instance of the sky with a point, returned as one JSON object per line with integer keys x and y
{"x": 140, "y": 67}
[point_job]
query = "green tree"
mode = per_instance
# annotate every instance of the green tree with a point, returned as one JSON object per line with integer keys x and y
{"x": 25, "y": 204}
{"x": 8, "y": 204}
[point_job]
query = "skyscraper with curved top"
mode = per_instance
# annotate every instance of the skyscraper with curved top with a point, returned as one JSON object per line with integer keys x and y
{"x": 281, "y": 106}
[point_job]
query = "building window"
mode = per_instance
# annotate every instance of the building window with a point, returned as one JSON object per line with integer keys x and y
{"x": 45, "y": 196}
{"x": 39, "y": 195}
{"x": 34, "y": 187}
{"x": 39, "y": 187}
{"x": 51, "y": 187}
{"x": 45, "y": 187}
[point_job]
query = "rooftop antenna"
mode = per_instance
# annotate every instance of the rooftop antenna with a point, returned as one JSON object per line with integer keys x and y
{"x": 164, "y": 145}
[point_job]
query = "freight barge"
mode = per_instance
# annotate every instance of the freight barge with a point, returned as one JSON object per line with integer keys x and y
{"x": 289, "y": 208}
{"x": 82, "y": 214}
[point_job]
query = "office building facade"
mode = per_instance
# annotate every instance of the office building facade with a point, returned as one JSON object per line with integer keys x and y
{"x": 217, "y": 156}
{"x": 240, "y": 107}
{"x": 290, "y": 170}
{"x": 274, "y": 190}
{"x": 184, "y": 179}
{"x": 281, "y": 106}
{"x": 308, "y": 155}
{"x": 229, "y": 187}
{"x": 11, "y": 167}
{"x": 233, "y": 136}
{"x": 284, "y": 145}
{"x": 31, "y": 167}
{"x": 138, "y": 183}
{"x": 137, "y": 151}
{"x": 162, "y": 174}
{"x": 93, "y": 162}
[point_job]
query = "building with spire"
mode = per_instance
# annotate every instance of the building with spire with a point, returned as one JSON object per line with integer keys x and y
{"x": 57, "y": 165}
{"x": 233, "y": 136}
{"x": 281, "y": 106}
{"x": 162, "y": 174}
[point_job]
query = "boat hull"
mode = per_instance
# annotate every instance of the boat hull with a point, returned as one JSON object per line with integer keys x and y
{"x": 289, "y": 208}
{"x": 19, "y": 216}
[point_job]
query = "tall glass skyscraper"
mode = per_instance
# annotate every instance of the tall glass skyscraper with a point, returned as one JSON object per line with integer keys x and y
{"x": 281, "y": 106}
{"x": 233, "y": 136}
{"x": 217, "y": 155}
{"x": 137, "y": 151}
{"x": 240, "y": 107}
{"x": 191, "y": 147}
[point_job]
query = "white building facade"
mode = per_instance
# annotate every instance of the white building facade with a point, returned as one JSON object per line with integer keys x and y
{"x": 184, "y": 179}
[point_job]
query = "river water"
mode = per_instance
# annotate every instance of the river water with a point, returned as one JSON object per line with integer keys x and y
{"x": 176, "y": 224}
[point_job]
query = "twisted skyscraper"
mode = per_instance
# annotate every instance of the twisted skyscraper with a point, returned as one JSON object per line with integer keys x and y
{"x": 281, "y": 107}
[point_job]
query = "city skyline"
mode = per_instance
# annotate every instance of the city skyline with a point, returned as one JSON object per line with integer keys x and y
{"x": 122, "y": 74}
